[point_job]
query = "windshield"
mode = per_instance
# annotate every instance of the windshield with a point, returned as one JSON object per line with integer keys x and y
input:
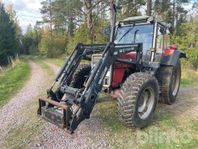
{"x": 136, "y": 34}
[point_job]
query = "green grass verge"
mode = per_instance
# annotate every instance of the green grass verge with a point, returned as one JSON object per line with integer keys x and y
{"x": 189, "y": 77}
{"x": 58, "y": 62}
{"x": 12, "y": 80}
{"x": 194, "y": 125}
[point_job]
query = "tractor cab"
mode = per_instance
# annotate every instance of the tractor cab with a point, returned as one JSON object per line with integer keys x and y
{"x": 154, "y": 37}
{"x": 133, "y": 31}
{"x": 153, "y": 34}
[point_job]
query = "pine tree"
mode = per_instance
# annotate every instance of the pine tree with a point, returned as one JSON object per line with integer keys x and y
{"x": 131, "y": 7}
{"x": 8, "y": 39}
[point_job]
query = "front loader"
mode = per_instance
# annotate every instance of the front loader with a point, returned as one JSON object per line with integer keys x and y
{"x": 138, "y": 65}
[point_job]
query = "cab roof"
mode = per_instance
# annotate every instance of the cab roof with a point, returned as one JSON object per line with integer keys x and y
{"x": 142, "y": 20}
{"x": 137, "y": 19}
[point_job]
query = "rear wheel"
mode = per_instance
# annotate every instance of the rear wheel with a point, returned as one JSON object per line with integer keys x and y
{"x": 137, "y": 99}
{"x": 169, "y": 79}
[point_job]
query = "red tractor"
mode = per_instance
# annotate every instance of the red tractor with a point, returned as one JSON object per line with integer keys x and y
{"x": 138, "y": 65}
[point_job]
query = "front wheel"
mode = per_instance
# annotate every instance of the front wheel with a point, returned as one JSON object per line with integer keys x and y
{"x": 77, "y": 80}
{"x": 138, "y": 99}
{"x": 80, "y": 76}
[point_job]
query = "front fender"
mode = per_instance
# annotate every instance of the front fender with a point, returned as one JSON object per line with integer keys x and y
{"x": 171, "y": 59}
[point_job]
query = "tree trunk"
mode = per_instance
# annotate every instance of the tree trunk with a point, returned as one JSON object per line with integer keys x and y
{"x": 88, "y": 17}
{"x": 50, "y": 15}
{"x": 149, "y": 7}
{"x": 71, "y": 27}
{"x": 174, "y": 13}
{"x": 111, "y": 12}
{"x": 88, "y": 10}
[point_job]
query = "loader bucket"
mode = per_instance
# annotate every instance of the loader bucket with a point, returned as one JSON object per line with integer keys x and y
{"x": 54, "y": 112}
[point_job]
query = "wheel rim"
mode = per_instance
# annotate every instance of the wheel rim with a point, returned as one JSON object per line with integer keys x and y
{"x": 146, "y": 103}
{"x": 176, "y": 81}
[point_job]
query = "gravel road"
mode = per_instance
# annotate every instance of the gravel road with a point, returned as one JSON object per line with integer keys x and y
{"x": 10, "y": 114}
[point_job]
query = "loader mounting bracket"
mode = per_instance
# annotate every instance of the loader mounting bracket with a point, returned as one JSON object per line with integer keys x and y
{"x": 58, "y": 114}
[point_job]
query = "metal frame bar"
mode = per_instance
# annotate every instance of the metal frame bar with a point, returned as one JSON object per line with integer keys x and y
{"x": 55, "y": 103}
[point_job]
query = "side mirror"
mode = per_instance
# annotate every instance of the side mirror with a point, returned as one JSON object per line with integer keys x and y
{"x": 107, "y": 31}
{"x": 163, "y": 31}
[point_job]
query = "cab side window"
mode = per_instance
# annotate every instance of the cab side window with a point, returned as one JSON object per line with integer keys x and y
{"x": 159, "y": 42}
{"x": 167, "y": 42}
{"x": 163, "y": 41}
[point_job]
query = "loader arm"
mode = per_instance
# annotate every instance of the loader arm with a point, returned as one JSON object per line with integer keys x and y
{"x": 84, "y": 98}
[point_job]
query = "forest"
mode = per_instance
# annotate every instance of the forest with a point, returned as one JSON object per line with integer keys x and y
{"x": 65, "y": 23}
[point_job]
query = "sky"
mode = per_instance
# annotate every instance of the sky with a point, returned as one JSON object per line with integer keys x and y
{"x": 28, "y": 11}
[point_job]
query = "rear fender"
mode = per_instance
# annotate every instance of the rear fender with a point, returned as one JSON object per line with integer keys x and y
{"x": 172, "y": 57}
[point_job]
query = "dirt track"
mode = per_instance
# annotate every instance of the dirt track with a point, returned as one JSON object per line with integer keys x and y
{"x": 90, "y": 133}
{"x": 10, "y": 114}
{"x": 186, "y": 106}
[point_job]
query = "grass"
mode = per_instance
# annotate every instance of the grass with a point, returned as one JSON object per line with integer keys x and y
{"x": 12, "y": 80}
{"x": 58, "y": 62}
{"x": 189, "y": 77}
{"x": 105, "y": 108}
{"x": 166, "y": 120}
{"x": 194, "y": 125}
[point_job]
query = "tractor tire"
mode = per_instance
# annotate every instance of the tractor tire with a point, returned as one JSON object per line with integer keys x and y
{"x": 138, "y": 99}
{"x": 169, "y": 80}
{"x": 80, "y": 76}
